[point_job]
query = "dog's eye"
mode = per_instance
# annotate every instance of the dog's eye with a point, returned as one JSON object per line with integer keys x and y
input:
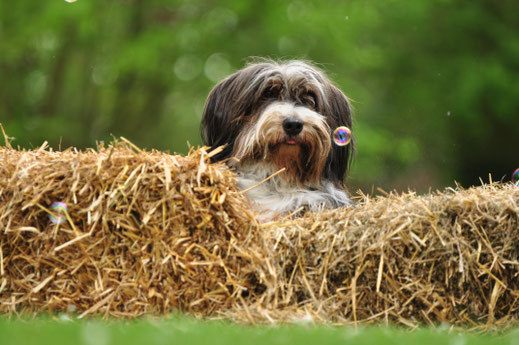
{"x": 309, "y": 99}
{"x": 270, "y": 92}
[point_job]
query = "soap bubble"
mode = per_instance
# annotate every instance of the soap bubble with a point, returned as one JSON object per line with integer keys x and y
{"x": 515, "y": 177}
{"x": 342, "y": 136}
{"x": 58, "y": 209}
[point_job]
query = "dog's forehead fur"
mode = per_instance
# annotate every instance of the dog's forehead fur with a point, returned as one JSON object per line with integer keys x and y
{"x": 287, "y": 77}
{"x": 290, "y": 72}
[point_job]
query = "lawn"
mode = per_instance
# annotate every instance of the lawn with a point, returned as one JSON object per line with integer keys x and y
{"x": 184, "y": 330}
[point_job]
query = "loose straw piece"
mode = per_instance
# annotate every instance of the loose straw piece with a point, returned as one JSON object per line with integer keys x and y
{"x": 263, "y": 181}
{"x": 6, "y": 138}
{"x": 65, "y": 245}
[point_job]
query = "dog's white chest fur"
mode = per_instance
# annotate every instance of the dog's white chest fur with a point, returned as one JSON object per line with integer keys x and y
{"x": 274, "y": 197}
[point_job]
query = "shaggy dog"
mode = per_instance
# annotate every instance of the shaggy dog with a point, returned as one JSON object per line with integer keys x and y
{"x": 277, "y": 118}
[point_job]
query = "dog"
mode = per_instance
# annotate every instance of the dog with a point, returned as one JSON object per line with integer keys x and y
{"x": 277, "y": 118}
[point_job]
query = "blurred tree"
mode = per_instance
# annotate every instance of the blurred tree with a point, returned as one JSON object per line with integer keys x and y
{"x": 434, "y": 83}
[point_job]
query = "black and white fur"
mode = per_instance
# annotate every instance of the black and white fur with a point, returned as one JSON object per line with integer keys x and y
{"x": 274, "y": 115}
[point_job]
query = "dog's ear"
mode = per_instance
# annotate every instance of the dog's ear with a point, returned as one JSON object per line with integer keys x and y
{"x": 227, "y": 106}
{"x": 218, "y": 126}
{"x": 338, "y": 113}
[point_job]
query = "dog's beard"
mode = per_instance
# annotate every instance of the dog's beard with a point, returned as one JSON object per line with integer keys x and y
{"x": 303, "y": 156}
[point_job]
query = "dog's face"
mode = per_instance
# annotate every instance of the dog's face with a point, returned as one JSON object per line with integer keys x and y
{"x": 282, "y": 114}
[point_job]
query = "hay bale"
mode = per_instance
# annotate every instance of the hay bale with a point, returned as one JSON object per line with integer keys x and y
{"x": 449, "y": 257}
{"x": 149, "y": 232}
{"x": 146, "y": 232}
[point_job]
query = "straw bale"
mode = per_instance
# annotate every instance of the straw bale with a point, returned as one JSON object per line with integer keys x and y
{"x": 149, "y": 233}
{"x": 146, "y": 232}
{"x": 446, "y": 257}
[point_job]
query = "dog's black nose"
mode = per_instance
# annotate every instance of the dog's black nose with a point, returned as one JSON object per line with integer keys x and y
{"x": 292, "y": 126}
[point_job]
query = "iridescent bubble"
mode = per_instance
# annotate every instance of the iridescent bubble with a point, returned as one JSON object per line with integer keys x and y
{"x": 515, "y": 177}
{"x": 58, "y": 209}
{"x": 342, "y": 136}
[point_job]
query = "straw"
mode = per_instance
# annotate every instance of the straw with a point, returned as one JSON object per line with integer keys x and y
{"x": 152, "y": 233}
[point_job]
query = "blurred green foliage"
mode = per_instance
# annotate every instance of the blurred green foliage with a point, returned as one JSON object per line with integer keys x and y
{"x": 435, "y": 83}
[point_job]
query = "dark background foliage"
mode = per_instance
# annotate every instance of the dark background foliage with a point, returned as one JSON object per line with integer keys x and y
{"x": 434, "y": 83}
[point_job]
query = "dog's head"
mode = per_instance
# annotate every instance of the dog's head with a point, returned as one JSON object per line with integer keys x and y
{"x": 281, "y": 113}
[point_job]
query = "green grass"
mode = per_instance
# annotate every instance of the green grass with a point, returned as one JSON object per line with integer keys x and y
{"x": 183, "y": 330}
